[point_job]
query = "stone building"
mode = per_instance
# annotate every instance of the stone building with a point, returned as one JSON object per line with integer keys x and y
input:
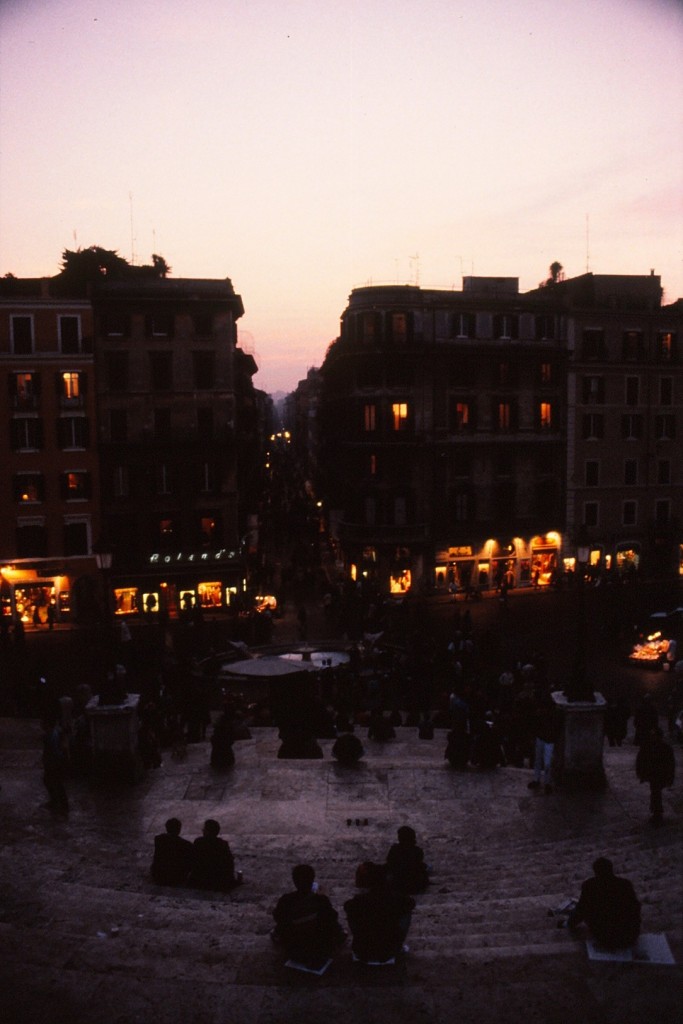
{"x": 451, "y": 431}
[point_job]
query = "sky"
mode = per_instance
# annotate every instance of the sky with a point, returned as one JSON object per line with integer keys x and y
{"x": 306, "y": 147}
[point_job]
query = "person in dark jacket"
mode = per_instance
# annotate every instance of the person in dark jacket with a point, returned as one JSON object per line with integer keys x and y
{"x": 656, "y": 764}
{"x": 213, "y": 865}
{"x": 306, "y": 923}
{"x": 172, "y": 855}
{"x": 379, "y": 919}
{"x": 546, "y": 731}
{"x": 406, "y": 868}
{"x": 609, "y": 906}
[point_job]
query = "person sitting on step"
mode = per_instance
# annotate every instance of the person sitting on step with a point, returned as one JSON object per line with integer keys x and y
{"x": 609, "y": 906}
{"x": 306, "y": 924}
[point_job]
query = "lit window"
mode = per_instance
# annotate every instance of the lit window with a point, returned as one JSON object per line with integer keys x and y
{"x": 399, "y": 413}
{"x": 370, "y": 416}
{"x": 504, "y": 416}
{"x": 546, "y": 373}
{"x": 546, "y": 415}
{"x": 71, "y": 386}
{"x": 373, "y": 465}
{"x": 462, "y": 415}
{"x": 666, "y": 346}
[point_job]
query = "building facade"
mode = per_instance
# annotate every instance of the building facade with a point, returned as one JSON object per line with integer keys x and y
{"x": 49, "y": 484}
{"x": 452, "y": 431}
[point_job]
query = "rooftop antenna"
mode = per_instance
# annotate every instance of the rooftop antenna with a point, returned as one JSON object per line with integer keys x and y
{"x": 588, "y": 257}
{"x": 132, "y": 235}
{"x": 416, "y": 260}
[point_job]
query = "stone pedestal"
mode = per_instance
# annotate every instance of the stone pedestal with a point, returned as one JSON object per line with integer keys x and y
{"x": 577, "y": 762}
{"x": 114, "y": 739}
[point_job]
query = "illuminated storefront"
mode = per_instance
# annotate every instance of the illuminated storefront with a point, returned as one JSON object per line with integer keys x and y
{"x": 178, "y": 584}
{"x": 37, "y": 596}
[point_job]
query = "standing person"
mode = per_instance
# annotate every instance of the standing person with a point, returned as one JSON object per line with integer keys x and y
{"x": 379, "y": 919}
{"x": 656, "y": 764}
{"x": 172, "y": 855}
{"x": 306, "y": 923}
{"x": 213, "y": 865}
{"x": 546, "y": 729}
{"x": 55, "y": 762}
{"x": 609, "y": 906}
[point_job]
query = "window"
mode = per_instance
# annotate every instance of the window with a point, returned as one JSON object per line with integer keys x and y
{"x": 115, "y": 325}
{"x": 166, "y": 531}
{"x": 463, "y": 325}
{"x": 632, "y": 391}
{"x": 121, "y": 482}
{"x": 21, "y": 328}
{"x": 666, "y": 347}
{"x": 206, "y": 478}
{"x": 76, "y": 538}
{"x": 399, "y": 415}
{"x": 160, "y": 325}
{"x": 590, "y": 513}
{"x": 70, "y": 387}
{"x": 663, "y": 471}
{"x": 630, "y": 472}
{"x": 400, "y": 511}
{"x": 504, "y": 414}
{"x": 592, "y": 426}
{"x": 73, "y": 432}
{"x": 69, "y": 334}
{"x": 161, "y": 370}
{"x": 399, "y": 327}
{"x": 24, "y": 389}
{"x": 629, "y": 513}
{"x": 592, "y": 473}
{"x": 662, "y": 511}
{"x": 545, "y": 327}
{"x": 163, "y": 479}
{"x": 665, "y": 427}
{"x": 593, "y": 390}
{"x": 593, "y": 346}
{"x": 118, "y": 425}
{"x": 205, "y": 423}
{"x": 545, "y": 416}
{"x": 506, "y": 374}
{"x": 28, "y": 488}
{"x": 75, "y": 485}
{"x": 632, "y": 347}
{"x": 372, "y": 467}
{"x": 370, "y": 511}
{"x": 116, "y": 364}
{"x": 370, "y": 416}
{"x": 506, "y": 325}
{"x": 162, "y": 424}
{"x": 369, "y": 327}
{"x": 666, "y": 390}
{"x": 204, "y": 366}
{"x": 631, "y": 426}
{"x": 27, "y": 434}
{"x": 546, "y": 374}
{"x": 460, "y": 416}
{"x": 31, "y": 540}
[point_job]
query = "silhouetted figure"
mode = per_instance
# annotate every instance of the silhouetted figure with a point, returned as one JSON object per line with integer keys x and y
{"x": 379, "y": 919}
{"x": 347, "y": 749}
{"x": 298, "y": 744}
{"x": 656, "y": 765}
{"x": 406, "y": 868}
{"x": 306, "y": 923}
{"x": 172, "y": 855}
{"x": 458, "y": 746}
{"x": 617, "y": 715}
{"x": 55, "y": 764}
{"x": 222, "y": 739}
{"x": 213, "y": 865}
{"x": 609, "y": 907}
{"x": 379, "y": 727}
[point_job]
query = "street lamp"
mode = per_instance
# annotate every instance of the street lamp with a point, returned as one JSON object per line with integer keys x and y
{"x": 103, "y": 559}
{"x": 578, "y": 688}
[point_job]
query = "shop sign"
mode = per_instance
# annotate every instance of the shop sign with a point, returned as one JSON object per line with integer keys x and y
{"x": 193, "y": 557}
{"x": 465, "y": 551}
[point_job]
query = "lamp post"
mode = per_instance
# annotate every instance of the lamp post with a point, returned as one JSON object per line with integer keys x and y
{"x": 578, "y": 688}
{"x": 103, "y": 560}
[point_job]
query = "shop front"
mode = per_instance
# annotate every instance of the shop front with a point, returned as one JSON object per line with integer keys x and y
{"x": 35, "y": 595}
{"x": 545, "y": 558}
{"x": 181, "y": 584}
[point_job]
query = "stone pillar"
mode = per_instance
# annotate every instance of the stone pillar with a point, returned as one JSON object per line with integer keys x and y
{"x": 114, "y": 739}
{"x": 577, "y": 762}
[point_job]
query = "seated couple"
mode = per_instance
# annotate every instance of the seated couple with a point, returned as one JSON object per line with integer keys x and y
{"x": 207, "y": 863}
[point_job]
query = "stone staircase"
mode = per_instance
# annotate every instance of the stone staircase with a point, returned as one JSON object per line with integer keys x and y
{"x": 77, "y": 907}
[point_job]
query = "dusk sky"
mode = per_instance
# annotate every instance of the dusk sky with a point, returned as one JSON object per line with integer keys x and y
{"x": 305, "y": 147}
